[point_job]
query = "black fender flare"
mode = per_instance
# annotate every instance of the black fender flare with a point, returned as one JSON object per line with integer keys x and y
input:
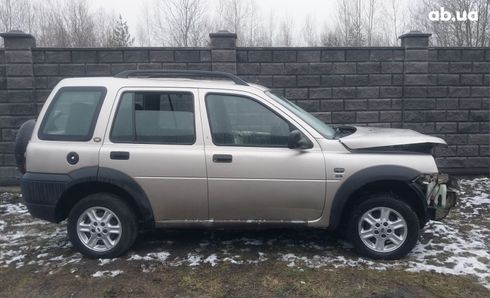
{"x": 118, "y": 179}
{"x": 128, "y": 184}
{"x": 366, "y": 176}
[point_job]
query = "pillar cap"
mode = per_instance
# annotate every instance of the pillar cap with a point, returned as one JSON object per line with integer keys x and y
{"x": 223, "y": 33}
{"x": 16, "y": 34}
{"x": 18, "y": 40}
{"x": 415, "y": 39}
{"x": 415, "y": 33}
{"x": 223, "y": 39}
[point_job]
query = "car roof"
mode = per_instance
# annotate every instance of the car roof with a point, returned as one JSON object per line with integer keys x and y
{"x": 117, "y": 83}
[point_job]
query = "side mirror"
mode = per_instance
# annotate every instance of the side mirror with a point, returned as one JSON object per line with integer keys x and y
{"x": 297, "y": 141}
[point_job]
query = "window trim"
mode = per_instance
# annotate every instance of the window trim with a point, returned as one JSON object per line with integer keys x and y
{"x": 73, "y": 138}
{"x": 134, "y": 141}
{"x": 253, "y": 99}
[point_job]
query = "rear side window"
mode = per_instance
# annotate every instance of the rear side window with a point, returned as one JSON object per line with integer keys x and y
{"x": 155, "y": 118}
{"x": 72, "y": 114}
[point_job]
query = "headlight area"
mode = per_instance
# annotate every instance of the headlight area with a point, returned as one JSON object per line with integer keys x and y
{"x": 441, "y": 193}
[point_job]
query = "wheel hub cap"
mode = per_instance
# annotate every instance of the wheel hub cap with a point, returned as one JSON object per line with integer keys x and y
{"x": 382, "y": 229}
{"x": 99, "y": 229}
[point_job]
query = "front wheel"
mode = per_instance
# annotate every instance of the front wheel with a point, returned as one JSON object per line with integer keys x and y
{"x": 102, "y": 226}
{"x": 384, "y": 227}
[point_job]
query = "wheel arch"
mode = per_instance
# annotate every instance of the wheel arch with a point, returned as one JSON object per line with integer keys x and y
{"x": 109, "y": 181}
{"x": 394, "y": 179}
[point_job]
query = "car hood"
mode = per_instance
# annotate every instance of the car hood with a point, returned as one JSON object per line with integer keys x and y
{"x": 373, "y": 137}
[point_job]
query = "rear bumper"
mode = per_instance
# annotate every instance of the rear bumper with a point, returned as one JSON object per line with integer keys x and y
{"x": 42, "y": 192}
{"x": 45, "y": 212}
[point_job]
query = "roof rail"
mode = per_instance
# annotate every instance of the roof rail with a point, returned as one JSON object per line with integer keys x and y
{"x": 154, "y": 73}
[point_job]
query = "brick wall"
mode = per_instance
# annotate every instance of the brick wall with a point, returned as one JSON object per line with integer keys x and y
{"x": 439, "y": 91}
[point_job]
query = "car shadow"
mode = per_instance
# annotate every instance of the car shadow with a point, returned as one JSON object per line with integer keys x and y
{"x": 276, "y": 240}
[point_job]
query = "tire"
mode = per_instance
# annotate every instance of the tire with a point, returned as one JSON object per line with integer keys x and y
{"x": 388, "y": 235}
{"x": 105, "y": 244}
{"x": 21, "y": 140}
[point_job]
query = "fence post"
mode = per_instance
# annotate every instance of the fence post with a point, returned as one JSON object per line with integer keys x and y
{"x": 223, "y": 51}
{"x": 17, "y": 97}
{"x": 415, "y": 72}
{"x": 18, "y": 60}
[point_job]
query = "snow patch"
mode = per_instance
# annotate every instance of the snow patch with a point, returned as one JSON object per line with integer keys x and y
{"x": 153, "y": 256}
{"x": 459, "y": 245}
{"x": 193, "y": 259}
{"x": 212, "y": 260}
{"x": 103, "y": 262}
{"x": 112, "y": 273}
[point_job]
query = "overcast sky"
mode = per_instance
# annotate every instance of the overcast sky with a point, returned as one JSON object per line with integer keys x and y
{"x": 321, "y": 10}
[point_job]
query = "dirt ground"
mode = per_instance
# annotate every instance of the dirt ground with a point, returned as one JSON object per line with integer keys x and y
{"x": 452, "y": 259}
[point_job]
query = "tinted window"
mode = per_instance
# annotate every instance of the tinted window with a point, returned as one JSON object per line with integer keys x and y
{"x": 155, "y": 117}
{"x": 323, "y": 128}
{"x": 241, "y": 121}
{"x": 72, "y": 114}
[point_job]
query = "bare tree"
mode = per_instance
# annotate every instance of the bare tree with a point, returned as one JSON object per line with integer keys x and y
{"x": 80, "y": 24}
{"x": 241, "y": 17}
{"x": 51, "y": 29}
{"x": 17, "y": 15}
{"x": 330, "y": 39}
{"x": 371, "y": 11}
{"x": 330, "y": 35}
{"x": 233, "y": 16}
{"x": 144, "y": 28}
{"x": 463, "y": 32}
{"x": 309, "y": 32}
{"x": 255, "y": 25}
{"x": 266, "y": 31}
{"x": 394, "y": 18}
{"x": 181, "y": 23}
{"x": 71, "y": 24}
{"x": 285, "y": 34}
{"x": 357, "y": 38}
{"x": 350, "y": 22}
{"x": 103, "y": 27}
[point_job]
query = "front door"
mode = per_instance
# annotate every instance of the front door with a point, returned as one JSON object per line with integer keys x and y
{"x": 156, "y": 139}
{"x": 252, "y": 174}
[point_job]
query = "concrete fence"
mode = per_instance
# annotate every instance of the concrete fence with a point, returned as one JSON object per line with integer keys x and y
{"x": 438, "y": 91}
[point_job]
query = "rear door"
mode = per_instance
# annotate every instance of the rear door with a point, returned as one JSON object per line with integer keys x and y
{"x": 155, "y": 137}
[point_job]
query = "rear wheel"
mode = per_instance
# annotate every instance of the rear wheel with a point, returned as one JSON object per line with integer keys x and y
{"x": 102, "y": 226}
{"x": 383, "y": 227}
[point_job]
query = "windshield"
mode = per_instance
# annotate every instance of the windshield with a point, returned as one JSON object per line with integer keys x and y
{"x": 320, "y": 126}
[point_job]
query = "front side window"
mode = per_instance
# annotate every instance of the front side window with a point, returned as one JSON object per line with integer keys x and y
{"x": 72, "y": 114}
{"x": 241, "y": 121}
{"x": 324, "y": 129}
{"x": 155, "y": 117}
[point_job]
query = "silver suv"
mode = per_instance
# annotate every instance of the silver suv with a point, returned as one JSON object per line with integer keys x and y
{"x": 155, "y": 149}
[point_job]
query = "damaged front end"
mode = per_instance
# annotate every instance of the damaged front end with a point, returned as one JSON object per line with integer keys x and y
{"x": 441, "y": 192}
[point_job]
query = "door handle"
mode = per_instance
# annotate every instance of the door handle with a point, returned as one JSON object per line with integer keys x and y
{"x": 222, "y": 158}
{"x": 120, "y": 155}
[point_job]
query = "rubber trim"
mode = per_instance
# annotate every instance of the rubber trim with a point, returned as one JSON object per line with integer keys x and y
{"x": 364, "y": 177}
{"x": 128, "y": 184}
{"x": 42, "y": 192}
